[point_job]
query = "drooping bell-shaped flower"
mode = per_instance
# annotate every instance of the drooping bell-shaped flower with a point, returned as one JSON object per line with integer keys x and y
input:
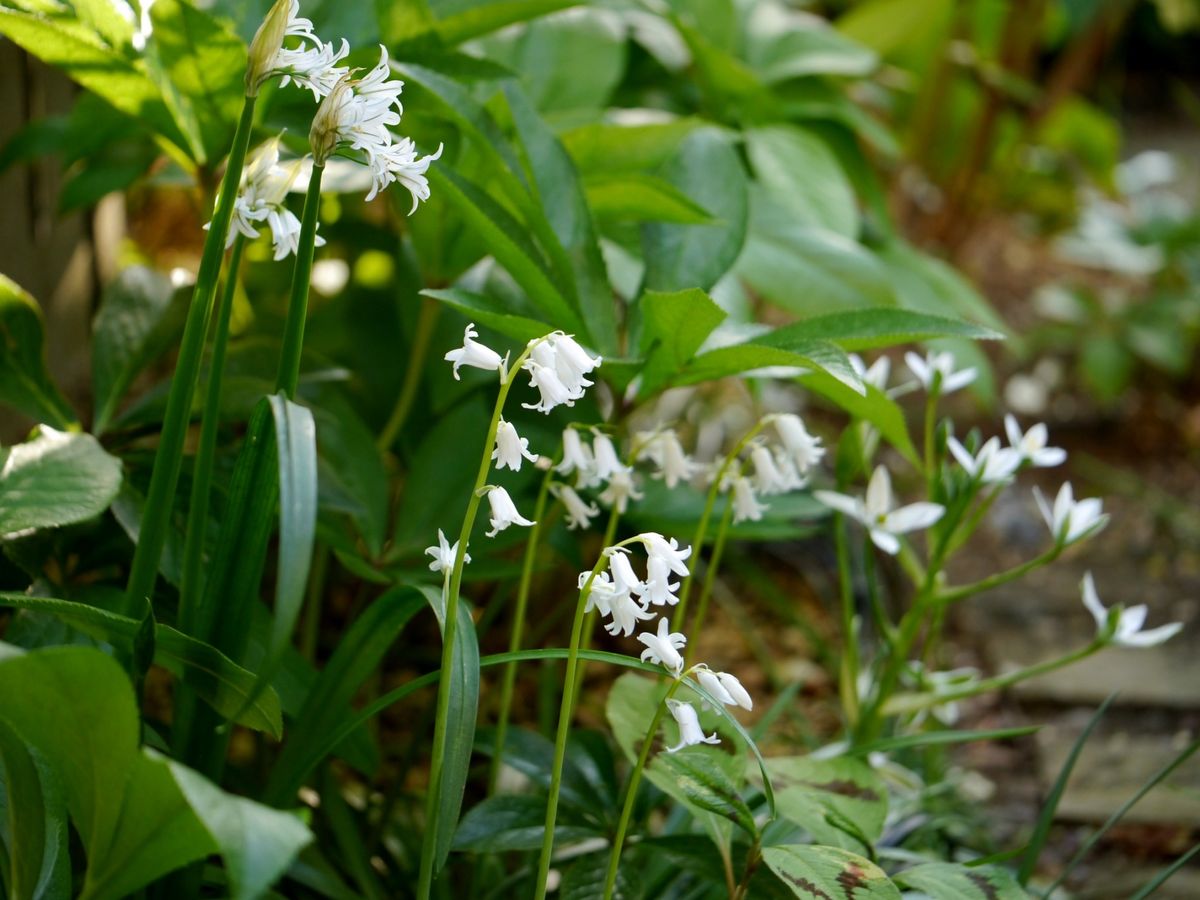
{"x": 572, "y": 362}
{"x": 993, "y": 464}
{"x": 1128, "y": 631}
{"x": 553, "y": 391}
{"x": 579, "y": 513}
{"x": 735, "y": 690}
{"x": 398, "y": 162}
{"x": 660, "y": 590}
{"x": 444, "y": 554}
{"x": 746, "y": 507}
{"x": 710, "y": 682}
{"x": 474, "y": 354}
{"x": 504, "y": 511}
{"x": 626, "y": 612}
{"x": 624, "y": 578}
{"x": 664, "y": 449}
{"x": 804, "y": 449}
{"x": 608, "y": 463}
{"x": 938, "y": 367}
{"x": 768, "y": 479}
{"x": 663, "y": 646}
{"x": 1070, "y": 520}
{"x": 876, "y": 513}
{"x": 1031, "y": 445}
{"x": 601, "y": 592}
{"x": 511, "y": 448}
{"x": 690, "y": 732}
{"x": 577, "y": 458}
{"x": 659, "y": 547}
{"x": 621, "y": 489}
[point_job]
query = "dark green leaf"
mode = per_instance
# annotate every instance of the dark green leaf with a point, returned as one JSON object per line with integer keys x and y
{"x": 586, "y": 876}
{"x": 35, "y": 829}
{"x": 24, "y": 382}
{"x": 839, "y": 801}
{"x": 491, "y": 313}
{"x": 57, "y": 478}
{"x": 829, "y": 872}
{"x": 699, "y": 774}
{"x": 874, "y": 407}
{"x": 516, "y": 822}
{"x": 866, "y": 329}
{"x": 945, "y": 881}
{"x": 767, "y": 352}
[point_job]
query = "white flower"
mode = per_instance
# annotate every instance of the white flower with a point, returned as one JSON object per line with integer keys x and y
{"x": 725, "y": 688}
{"x": 572, "y": 362}
{"x": 626, "y": 612}
{"x": 511, "y": 447}
{"x": 1070, "y": 520}
{"x": 553, "y": 391}
{"x": 804, "y": 449}
{"x": 876, "y": 375}
{"x": 734, "y": 687}
{"x": 577, "y": 458}
{"x": 601, "y": 594}
{"x": 1032, "y": 444}
{"x": 579, "y": 513}
{"x": 659, "y": 590}
{"x": 662, "y": 647}
{"x": 689, "y": 726}
{"x": 398, "y": 161}
{"x": 665, "y": 451}
{"x": 624, "y": 578}
{"x": 262, "y": 198}
{"x": 1128, "y": 632}
{"x": 474, "y": 354}
{"x": 608, "y": 463}
{"x": 876, "y": 513}
{"x": 504, "y": 513}
{"x": 621, "y": 489}
{"x": 745, "y": 505}
{"x": 444, "y": 554}
{"x": 767, "y": 477}
{"x": 938, "y": 366}
{"x": 993, "y": 464}
{"x": 658, "y": 546}
{"x": 314, "y": 68}
{"x": 787, "y": 470}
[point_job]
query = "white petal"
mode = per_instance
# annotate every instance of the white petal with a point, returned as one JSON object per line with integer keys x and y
{"x": 879, "y": 493}
{"x": 1153, "y": 636}
{"x": 885, "y": 541}
{"x": 1091, "y": 600}
{"x": 913, "y": 517}
{"x": 851, "y": 506}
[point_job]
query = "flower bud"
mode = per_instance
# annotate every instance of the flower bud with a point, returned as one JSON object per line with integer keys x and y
{"x": 266, "y": 44}
{"x": 326, "y": 124}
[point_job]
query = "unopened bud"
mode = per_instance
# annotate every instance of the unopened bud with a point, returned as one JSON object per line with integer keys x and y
{"x": 266, "y": 45}
{"x": 323, "y": 136}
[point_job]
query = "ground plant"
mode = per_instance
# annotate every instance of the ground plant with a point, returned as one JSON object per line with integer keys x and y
{"x": 388, "y": 559}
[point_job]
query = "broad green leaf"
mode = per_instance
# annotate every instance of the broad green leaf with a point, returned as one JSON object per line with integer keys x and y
{"x": 763, "y": 353}
{"x": 34, "y": 831}
{"x": 220, "y": 682}
{"x": 630, "y": 706}
{"x": 58, "y": 478}
{"x": 24, "y": 382}
{"x": 636, "y": 197}
{"x": 873, "y": 23}
{"x": 945, "y": 881}
{"x": 602, "y": 148}
{"x": 202, "y": 65}
{"x": 673, "y": 328}
{"x": 706, "y": 169}
{"x": 517, "y": 822}
{"x": 782, "y": 44}
{"x": 256, "y": 842}
{"x": 328, "y": 704}
{"x": 829, "y": 872}
{"x": 484, "y": 18}
{"x": 839, "y": 801}
{"x": 803, "y": 176}
{"x": 460, "y": 724}
{"x": 701, "y": 775}
{"x": 503, "y": 236}
{"x": 296, "y": 448}
{"x": 110, "y": 75}
{"x": 874, "y": 407}
{"x": 103, "y": 17}
{"x": 491, "y": 313}
{"x": 586, "y": 876}
{"x": 532, "y": 755}
{"x": 867, "y": 329}
{"x": 929, "y": 285}
{"x": 352, "y": 475}
{"x": 133, "y": 327}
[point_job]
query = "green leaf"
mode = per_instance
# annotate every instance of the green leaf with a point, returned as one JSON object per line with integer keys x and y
{"x": 699, "y": 774}
{"x": 24, "y": 382}
{"x": 803, "y": 45}
{"x": 802, "y": 175}
{"x": 829, "y": 872}
{"x": 296, "y": 446}
{"x": 86, "y": 60}
{"x": 945, "y": 881}
{"x": 674, "y": 326}
{"x": 517, "y": 822}
{"x": 35, "y": 829}
{"x": 766, "y": 352}
{"x": 492, "y": 313}
{"x": 102, "y": 16}
{"x": 352, "y": 476}
{"x": 636, "y": 197}
{"x": 601, "y": 148}
{"x": 874, "y": 407}
{"x": 585, "y": 879}
{"x": 867, "y": 329}
{"x": 706, "y": 169}
{"x": 926, "y": 284}
{"x": 460, "y": 721}
{"x": 256, "y": 842}
{"x": 941, "y": 738}
{"x": 58, "y": 478}
{"x": 219, "y": 681}
{"x": 202, "y": 67}
{"x": 133, "y": 327}
{"x": 834, "y": 799}
{"x": 485, "y": 18}
{"x": 327, "y": 706}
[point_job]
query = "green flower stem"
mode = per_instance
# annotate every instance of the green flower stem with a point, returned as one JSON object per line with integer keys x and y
{"x": 293, "y": 334}
{"x": 635, "y": 780}
{"x": 685, "y": 587}
{"x": 710, "y": 576}
{"x": 453, "y": 586}
{"x": 909, "y": 703}
{"x": 564, "y": 726}
{"x": 962, "y": 535}
{"x": 509, "y": 677}
{"x": 953, "y": 595}
{"x": 160, "y": 498}
{"x": 419, "y": 351}
{"x": 589, "y": 621}
{"x": 193, "y": 550}
{"x": 850, "y": 660}
{"x": 930, "y": 426}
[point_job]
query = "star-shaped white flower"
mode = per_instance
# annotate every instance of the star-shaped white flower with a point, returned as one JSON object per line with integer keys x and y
{"x": 1128, "y": 631}
{"x": 1070, "y": 520}
{"x": 993, "y": 464}
{"x": 1031, "y": 445}
{"x": 444, "y": 554}
{"x": 663, "y": 646}
{"x": 875, "y": 512}
{"x": 940, "y": 367}
{"x": 876, "y": 374}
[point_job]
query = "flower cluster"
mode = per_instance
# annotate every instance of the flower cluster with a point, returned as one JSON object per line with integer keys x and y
{"x": 597, "y": 464}
{"x": 311, "y": 64}
{"x": 261, "y": 199}
{"x": 773, "y": 468}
